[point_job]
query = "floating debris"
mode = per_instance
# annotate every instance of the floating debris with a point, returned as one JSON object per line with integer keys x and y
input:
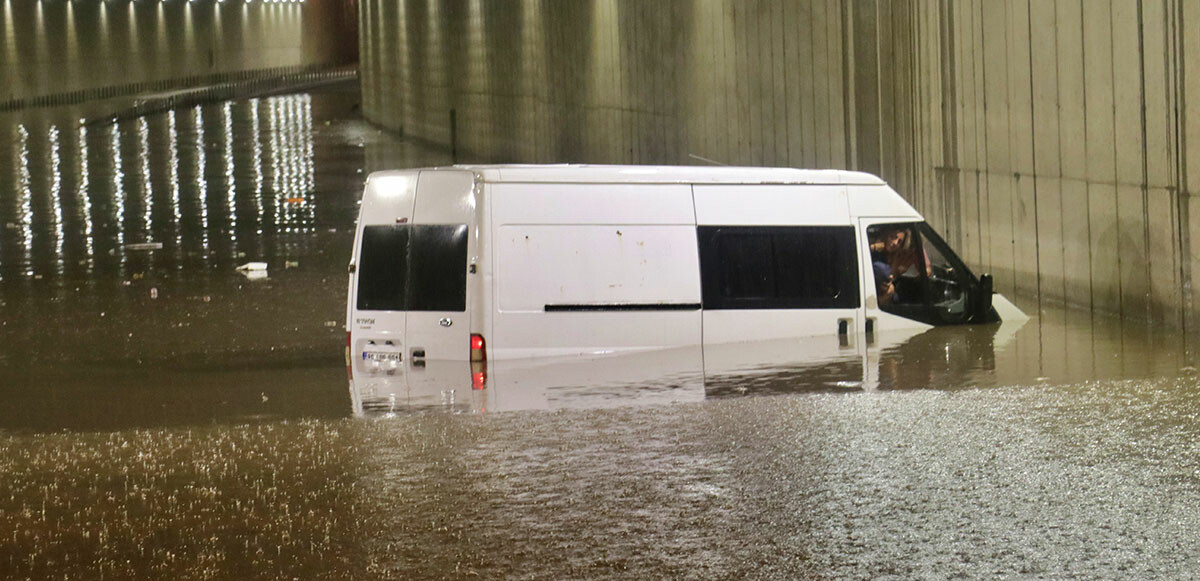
{"x": 253, "y": 270}
{"x": 144, "y": 246}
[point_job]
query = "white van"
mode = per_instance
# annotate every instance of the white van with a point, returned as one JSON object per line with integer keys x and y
{"x": 502, "y": 262}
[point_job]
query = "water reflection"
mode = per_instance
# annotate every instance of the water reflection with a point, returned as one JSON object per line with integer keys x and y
{"x": 145, "y": 188}
{"x": 24, "y": 218}
{"x": 81, "y": 197}
{"x": 963, "y": 357}
{"x": 173, "y": 168}
{"x": 56, "y": 192}
{"x": 944, "y": 358}
{"x": 230, "y": 191}
{"x": 292, "y": 169}
{"x": 201, "y": 175}
{"x": 120, "y": 305}
{"x": 116, "y": 214}
{"x": 210, "y": 166}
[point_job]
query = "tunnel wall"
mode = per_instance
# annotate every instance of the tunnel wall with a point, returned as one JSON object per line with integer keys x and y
{"x": 58, "y": 51}
{"x": 1049, "y": 141}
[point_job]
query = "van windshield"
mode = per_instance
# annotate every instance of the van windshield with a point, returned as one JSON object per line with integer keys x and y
{"x": 413, "y": 267}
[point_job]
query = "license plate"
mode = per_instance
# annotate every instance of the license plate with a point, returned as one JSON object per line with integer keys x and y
{"x": 381, "y": 356}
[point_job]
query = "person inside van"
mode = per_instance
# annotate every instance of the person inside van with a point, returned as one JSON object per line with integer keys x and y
{"x": 895, "y": 247}
{"x": 940, "y": 292}
{"x": 885, "y": 288}
{"x": 894, "y": 254}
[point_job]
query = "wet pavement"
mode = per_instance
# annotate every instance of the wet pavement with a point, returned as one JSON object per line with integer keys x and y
{"x": 164, "y": 416}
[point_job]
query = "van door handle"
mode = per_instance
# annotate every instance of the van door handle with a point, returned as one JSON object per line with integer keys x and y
{"x": 843, "y": 326}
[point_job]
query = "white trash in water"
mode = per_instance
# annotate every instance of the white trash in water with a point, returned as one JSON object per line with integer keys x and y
{"x": 144, "y": 246}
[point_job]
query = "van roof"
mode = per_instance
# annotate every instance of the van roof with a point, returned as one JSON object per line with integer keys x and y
{"x": 577, "y": 173}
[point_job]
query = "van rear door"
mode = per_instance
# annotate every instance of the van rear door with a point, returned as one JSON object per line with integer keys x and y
{"x": 442, "y": 238}
{"x": 378, "y": 274}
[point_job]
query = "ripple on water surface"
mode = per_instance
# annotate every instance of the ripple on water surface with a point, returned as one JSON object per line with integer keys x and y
{"x": 1025, "y": 481}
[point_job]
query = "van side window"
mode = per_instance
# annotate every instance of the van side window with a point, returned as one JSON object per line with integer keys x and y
{"x": 778, "y": 267}
{"x": 420, "y": 267}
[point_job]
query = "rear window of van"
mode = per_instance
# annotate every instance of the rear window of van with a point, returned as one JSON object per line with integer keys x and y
{"x": 413, "y": 267}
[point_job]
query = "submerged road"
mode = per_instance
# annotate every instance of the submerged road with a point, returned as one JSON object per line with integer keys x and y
{"x": 164, "y": 416}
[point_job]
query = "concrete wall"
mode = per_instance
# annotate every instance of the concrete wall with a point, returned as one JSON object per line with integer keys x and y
{"x": 52, "y": 48}
{"x": 1069, "y": 144}
{"x": 1048, "y": 139}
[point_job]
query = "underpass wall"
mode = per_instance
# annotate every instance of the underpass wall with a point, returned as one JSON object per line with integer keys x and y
{"x": 1048, "y": 141}
{"x": 54, "y": 52}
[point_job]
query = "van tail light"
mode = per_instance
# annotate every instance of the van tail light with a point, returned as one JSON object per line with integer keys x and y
{"x": 478, "y": 362}
{"x": 478, "y": 348}
{"x": 349, "y": 362}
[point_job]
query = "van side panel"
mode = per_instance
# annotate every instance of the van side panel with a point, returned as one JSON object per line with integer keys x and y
{"x": 556, "y": 267}
{"x": 585, "y": 268}
{"x": 881, "y": 200}
{"x": 592, "y": 204}
{"x": 770, "y": 205}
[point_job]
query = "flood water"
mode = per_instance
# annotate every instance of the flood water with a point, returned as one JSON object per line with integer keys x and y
{"x": 164, "y": 416}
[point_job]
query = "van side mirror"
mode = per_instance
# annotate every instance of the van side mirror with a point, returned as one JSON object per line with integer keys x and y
{"x": 983, "y": 302}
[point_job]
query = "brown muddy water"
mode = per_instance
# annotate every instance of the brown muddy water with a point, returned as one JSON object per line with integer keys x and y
{"x": 164, "y": 416}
